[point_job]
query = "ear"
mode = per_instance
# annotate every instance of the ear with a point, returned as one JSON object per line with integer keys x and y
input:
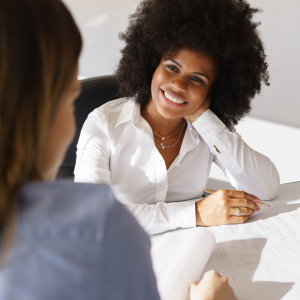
{"x": 209, "y": 94}
{"x": 210, "y": 91}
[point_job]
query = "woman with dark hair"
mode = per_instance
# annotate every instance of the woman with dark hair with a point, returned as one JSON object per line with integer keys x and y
{"x": 60, "y": 240}
{"x": 189, "y": 70}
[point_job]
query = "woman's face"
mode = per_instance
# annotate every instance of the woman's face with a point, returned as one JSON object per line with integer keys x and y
{"x": 60, "y": 134}
{"x": 181, "y": 84}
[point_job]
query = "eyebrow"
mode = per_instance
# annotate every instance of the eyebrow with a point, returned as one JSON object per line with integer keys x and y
{"x": 178, "y": 64}
{"x": 201, "y": 74}
{"x": 175, "y": 62}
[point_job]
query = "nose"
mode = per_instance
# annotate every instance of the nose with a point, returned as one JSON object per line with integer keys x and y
{"x": 179, "y": 84}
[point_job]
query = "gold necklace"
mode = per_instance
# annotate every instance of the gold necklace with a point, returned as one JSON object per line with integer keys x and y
{"x": 166, "y": 142}
{"x": 164, "y": 137}
{"x": 163, "y": 146}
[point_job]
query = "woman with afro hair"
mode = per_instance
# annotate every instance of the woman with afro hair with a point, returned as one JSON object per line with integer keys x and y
{"x": 188, "y": 73}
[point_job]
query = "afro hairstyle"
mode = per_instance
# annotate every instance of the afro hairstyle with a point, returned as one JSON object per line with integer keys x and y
{"x": 223, "y": 29}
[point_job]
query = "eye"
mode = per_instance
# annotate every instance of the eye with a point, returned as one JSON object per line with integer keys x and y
{"x": 173, "y": 68}
{"x": 197, "y": 79}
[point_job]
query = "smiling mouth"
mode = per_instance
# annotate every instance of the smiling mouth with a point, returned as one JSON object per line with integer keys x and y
{"x": 173, "y": 99}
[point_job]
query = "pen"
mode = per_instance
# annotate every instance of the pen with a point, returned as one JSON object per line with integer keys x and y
{"x": 259, "y": 203}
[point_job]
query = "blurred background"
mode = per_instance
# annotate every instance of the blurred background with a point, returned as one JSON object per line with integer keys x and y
{"x": 273, "y": 127}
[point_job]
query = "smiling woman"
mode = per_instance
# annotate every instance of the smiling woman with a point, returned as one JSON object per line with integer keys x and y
{"x": 189, "y": 74}
{"x": 189, "y": 70}
{"x": 180, "y": 90}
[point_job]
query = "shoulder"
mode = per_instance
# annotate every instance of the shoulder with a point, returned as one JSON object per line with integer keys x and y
{"x": 108, "y": 114}
{"x": 64, "y": 206}
{"x": 81, "y": 213}
{"x": 113, "y": 107}
{"x": 66, "y": 228}
{"x": 65, "y": 192}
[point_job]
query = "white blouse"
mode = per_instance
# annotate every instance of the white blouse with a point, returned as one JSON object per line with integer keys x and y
{"x": 116, "y": 146}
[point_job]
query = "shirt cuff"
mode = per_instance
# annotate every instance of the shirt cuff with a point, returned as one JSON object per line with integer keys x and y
{"x": 183, "y": 214}
{"x": 208, "y": 124}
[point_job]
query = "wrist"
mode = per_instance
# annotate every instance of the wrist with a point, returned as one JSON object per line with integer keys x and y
{"x": 204, "y": 107}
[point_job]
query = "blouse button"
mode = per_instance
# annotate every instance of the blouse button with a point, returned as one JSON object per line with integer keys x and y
{"x": 202, "y": 124}
{"x": 162, "y": 188}
{"x": 207, "y": 131}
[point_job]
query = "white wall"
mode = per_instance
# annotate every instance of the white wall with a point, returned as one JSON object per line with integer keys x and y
{"x": 273, "y": 127}
{"x": 100, "y": 22}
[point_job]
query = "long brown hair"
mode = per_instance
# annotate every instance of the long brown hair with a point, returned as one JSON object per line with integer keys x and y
{"x": 39, "y": 49}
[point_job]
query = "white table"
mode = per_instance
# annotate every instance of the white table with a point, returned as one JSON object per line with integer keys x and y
{"x": 261, "y": 257}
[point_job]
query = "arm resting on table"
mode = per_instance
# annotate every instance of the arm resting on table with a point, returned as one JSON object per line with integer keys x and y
{"x": 248, "y": 170}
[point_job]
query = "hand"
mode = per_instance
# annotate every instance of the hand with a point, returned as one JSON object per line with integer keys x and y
{"x": 204, "y": 107}
{"x": 220, "y": 208}
{"x": 211, "y": 287}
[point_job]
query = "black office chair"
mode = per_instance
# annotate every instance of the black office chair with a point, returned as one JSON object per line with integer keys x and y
{"x": 95, "y": 92}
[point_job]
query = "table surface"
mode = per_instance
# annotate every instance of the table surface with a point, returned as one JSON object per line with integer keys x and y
{"x": 261, "y": 257}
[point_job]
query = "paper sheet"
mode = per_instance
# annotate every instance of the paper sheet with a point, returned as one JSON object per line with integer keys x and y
{"x": 178, "y": 260}
{"x": 261, "y": 258}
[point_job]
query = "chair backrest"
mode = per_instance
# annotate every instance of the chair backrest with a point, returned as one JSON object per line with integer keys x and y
{"x": 95, "y": 92}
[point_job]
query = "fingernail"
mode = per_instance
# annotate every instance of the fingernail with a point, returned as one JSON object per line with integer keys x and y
{"x": 258, "y": 200}
{"x": 258, "y": 208}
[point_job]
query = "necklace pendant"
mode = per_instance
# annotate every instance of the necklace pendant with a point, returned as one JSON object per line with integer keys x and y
{"x": 163, "y": 147}
{"x": 162, "y": 138}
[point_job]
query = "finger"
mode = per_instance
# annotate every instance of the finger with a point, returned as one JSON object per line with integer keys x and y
{"x": 243, "y": 202}
{"x": 225, "y": 280}
{"x": 239, "y": 220}
{"x": 213, "y": 273}
{"x": 244, "y": 211}
{"x": 242, "y": 194}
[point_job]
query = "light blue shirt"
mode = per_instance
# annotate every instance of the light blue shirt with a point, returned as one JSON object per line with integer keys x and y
{"x": 76, "y": 241}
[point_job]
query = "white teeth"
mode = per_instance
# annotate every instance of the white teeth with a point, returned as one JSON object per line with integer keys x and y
{"x": 173, "y": 99}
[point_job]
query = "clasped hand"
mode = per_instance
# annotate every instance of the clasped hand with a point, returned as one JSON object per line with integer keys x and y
{"x": 221, "y": 207}
{"x": 212, "y": 287}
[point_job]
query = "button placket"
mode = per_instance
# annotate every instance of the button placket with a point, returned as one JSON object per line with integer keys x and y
{"x": 161, "y": 178}
{"x": 161, "y": 193}
{"x": 190, "y": 141}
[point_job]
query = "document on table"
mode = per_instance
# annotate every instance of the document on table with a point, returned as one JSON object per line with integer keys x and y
{"x": 179, "y": 258}
{"x": 261, "y": 258}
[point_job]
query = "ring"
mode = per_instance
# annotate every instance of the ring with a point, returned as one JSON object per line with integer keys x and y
{"x": 238, "y": 212}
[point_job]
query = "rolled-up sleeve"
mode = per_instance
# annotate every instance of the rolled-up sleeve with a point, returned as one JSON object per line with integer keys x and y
{"x": 247, "y": 169}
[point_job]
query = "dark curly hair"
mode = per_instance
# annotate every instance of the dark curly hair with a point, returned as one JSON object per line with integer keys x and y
{"x": 223, "y": 29}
